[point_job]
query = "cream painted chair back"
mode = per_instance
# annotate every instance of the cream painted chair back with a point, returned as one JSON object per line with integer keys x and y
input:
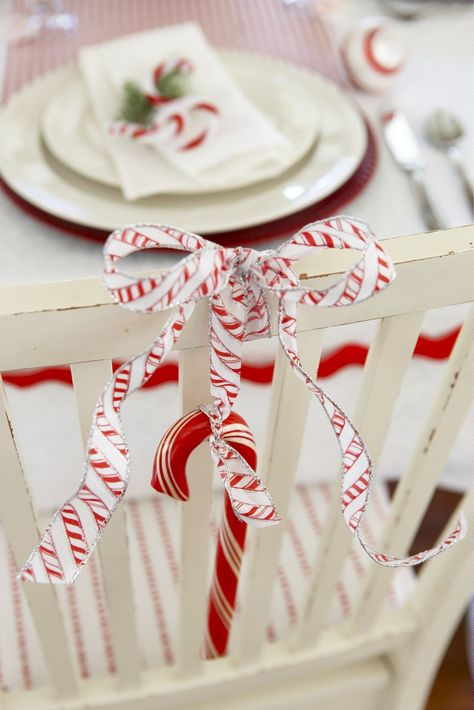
{"x": 372, "y": 661}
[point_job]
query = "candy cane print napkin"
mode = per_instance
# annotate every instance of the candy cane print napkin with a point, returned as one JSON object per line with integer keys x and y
{"x": 239, "y": 139}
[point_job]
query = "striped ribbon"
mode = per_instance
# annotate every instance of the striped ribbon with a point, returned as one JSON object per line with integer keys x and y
{"x": 234, "y": 281}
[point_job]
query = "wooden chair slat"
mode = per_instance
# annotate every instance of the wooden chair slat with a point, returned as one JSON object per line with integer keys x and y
{"x": 426, "y": 594}
{"x": 289, "y": 405}
{"x": 18, "y": 518}
{"x": 442, "y": 593}
{"x": 195, "y": 520}
{"x": 417, "y": 484}
{"x": 89, "y": 380}
{"x": 387, "y": 361}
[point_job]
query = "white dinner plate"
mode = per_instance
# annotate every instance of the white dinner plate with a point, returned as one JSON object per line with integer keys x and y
{"x": 74, "y": 136}
{"x": 30, "y": 169}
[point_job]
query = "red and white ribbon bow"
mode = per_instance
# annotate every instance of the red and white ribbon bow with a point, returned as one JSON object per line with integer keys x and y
{"x": 234, "y": 281}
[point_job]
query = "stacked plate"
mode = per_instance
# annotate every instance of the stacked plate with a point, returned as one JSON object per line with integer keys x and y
{"x": 52, "y": 156}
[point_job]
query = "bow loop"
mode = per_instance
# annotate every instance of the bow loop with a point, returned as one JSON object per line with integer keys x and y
{"x": 202, "y": 273}
{"x": 371, "y": 273}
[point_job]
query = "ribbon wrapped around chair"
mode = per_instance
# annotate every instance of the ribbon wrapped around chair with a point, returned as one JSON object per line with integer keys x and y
{"x": 234, "y": 281}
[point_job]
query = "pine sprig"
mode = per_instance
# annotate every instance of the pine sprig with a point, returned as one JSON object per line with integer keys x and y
{"x": 134, "y": 106}
{"x": 173, "y": 84}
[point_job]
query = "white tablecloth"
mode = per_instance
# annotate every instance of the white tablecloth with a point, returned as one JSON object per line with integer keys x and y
{"x": 438, "y": 74}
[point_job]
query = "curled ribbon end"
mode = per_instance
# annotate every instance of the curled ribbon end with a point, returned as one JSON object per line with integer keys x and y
{"x": 23, "y": 577}
{"x": 462, "y": 525}
{"x": 41, "y": 573}
{"x": 274, "y": 521}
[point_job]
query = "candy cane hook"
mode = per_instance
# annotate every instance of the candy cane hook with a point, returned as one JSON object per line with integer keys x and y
{"x": 169, "y": 477}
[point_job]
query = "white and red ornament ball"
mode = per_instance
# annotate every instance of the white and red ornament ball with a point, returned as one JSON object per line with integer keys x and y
{"x": 374, "y": 55}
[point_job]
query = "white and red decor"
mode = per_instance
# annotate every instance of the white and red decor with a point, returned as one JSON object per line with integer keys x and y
{"x": 235, "y": 282}
{"x": 374, "y": 55}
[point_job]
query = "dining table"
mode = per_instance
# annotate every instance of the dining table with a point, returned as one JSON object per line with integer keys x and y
{"x": 436, "y": 74}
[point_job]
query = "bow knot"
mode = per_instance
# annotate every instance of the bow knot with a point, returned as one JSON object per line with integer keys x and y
{"x": 234, "y": 281}
{"x": 242, "y": 259}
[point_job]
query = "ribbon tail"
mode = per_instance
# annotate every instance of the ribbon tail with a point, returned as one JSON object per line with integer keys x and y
{"x": 456, "y": 535}
{"x": 250, "y": 500}
{"x": 357, "y": 469}
{"x": 77, "y": 526}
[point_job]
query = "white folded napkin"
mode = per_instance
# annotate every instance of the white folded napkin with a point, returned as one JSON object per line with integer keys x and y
{"x": 243, "y": 141}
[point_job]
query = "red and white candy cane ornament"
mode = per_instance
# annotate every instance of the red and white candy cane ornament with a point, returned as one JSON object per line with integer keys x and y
{"x": 169, "y": 477}
{"x": 182, "y": 65}
{"x": 234, "y": 281}
{"x": 184, "y": 121}
{"x": 175, "y": 126}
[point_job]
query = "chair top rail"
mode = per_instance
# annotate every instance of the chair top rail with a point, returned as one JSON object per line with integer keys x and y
{"x": 433, "y": 270}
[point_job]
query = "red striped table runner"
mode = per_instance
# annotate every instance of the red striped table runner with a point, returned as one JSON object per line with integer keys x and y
{"x": 297, "y": 34}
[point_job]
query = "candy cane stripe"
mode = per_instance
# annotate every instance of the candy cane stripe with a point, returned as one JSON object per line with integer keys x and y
{"x": 74, "y": 532}
{"x": 50, "y": 558}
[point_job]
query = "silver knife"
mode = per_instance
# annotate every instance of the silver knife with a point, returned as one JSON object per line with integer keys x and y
{"x": 406, "y": 152}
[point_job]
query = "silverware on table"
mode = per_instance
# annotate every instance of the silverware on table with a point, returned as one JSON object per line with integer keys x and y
{"x": 404, "y": 10}
{"x": 417, "y": 9}
{"x": 445, "y": 130}
{"x": 406, "y": 152}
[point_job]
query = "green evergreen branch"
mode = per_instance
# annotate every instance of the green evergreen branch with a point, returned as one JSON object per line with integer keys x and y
{"x": 134, "y": 105}
{"x": 173, "y": 84}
